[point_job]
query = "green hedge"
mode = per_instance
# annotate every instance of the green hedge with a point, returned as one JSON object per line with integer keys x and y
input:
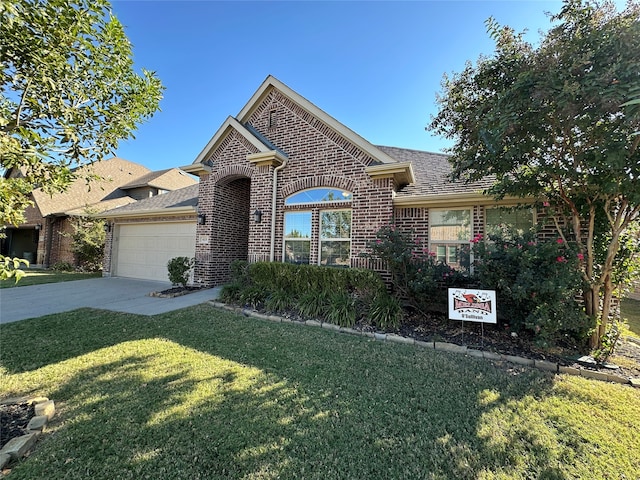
{"x": 338, "y": 295}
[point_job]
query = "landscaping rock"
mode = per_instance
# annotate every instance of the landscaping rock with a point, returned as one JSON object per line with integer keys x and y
{"x": 313, "y": 323}
{"x": 381, "y": 337}
{"x": 568, "y": 370}
{"x": 17, "y": 447}
{"x": 593, "y": 374}
{"x": 450, "y": 347}
{"x": 47, "y": 409}
{"x": 544, "y": 365}
{"x": 617, "y": 379}
{"x": 400, "y": 339}
{"x": 635, "y": 382}
{"x": 527, "y": 362}
{"x": 37, "y": 423}
{"x": 331, "y": 326}
{"x": 492, "y": 356}
{"x": 420, "y": 343}
{"x": 472, "y": 352}
{"x": 5, "y": 458}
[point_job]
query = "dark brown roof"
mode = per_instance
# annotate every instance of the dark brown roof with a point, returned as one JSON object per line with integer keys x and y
{"x": 431, "y": 172}
{"x": 184, "y": 197}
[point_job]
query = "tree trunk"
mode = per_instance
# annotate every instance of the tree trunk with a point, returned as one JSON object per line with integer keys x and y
{"x": 591, "y": 308}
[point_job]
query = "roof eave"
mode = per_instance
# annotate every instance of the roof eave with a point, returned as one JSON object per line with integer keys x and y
{"x": 456, "y": 200}
{"x": 163, "y": 212}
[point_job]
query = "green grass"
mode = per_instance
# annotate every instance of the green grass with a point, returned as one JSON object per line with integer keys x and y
{"x": 202, "y": 393}
{"x": 630, "y": 310}
{"x": 37, "y": 277}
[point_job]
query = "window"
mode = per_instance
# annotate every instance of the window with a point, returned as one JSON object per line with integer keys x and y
{"x": 449, "y": 236}
{"x": 520, "y": 221}
{"x": 319, "y": 195}
{"x": 328, "y": 230}
{"x": 297, "y": 237}
{"x": 335, "y": 238}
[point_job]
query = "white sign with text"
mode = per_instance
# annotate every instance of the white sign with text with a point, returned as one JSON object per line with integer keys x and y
{"x": 471, "y": 305}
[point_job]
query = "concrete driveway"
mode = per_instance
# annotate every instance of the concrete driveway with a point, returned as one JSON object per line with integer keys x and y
{"x": 116, "y": 294}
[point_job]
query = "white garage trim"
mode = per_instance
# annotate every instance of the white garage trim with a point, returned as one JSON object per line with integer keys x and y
{"x": 142, "y": 250}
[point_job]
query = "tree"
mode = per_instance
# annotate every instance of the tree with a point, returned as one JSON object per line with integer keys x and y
{"x": 548, "y": 121}
{"x": 68, "y": 95}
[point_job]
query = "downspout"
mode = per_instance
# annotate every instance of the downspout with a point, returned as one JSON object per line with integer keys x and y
{"x": 272, "y": 253}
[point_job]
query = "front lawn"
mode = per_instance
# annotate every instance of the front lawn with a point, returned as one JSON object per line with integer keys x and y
{"x": 203, "y": 393}
{"x": 37, "y": 277}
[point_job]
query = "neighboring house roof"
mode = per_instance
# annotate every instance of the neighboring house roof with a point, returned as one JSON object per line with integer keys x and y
{"x": 169, "y": 179}
{"x": 184, "y": 200}
{"x": 431, "y": 172}
{"x": 107, "y": 192}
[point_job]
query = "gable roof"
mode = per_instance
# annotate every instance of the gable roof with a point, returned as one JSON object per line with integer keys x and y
{"x": 114, "y": 172}
{"x": 270, "y": 83}
{"x": 168, "y": 179}
{"x": 116, "y": 175}
{"x": 182, "y": 201}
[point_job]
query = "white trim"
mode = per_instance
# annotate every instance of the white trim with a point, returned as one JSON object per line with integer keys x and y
{"x": 450, "y": 200}
{"x": 229, "y": 123}
{"x": 164, "y": 212}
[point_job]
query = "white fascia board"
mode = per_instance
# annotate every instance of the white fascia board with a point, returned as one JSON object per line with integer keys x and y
{"x": 353, "y": 137}
{"x": 158, "y": 212}
{"x": 230, "y": 122}
{"x": 456, "y": 200}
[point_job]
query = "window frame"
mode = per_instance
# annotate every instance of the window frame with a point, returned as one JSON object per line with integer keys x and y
{"x": 286, "y": 239}
{"x": 326, "y": 240}
{"x": 448, "y": 245}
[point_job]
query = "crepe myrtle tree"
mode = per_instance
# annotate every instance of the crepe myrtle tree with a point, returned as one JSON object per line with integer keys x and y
{"x": 558, "y": 121}
{"x": 68, "y": 95}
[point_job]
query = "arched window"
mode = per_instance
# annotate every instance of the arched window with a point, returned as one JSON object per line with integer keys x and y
{"x": 319, "y": 195}
{"x": 332, "y": 233}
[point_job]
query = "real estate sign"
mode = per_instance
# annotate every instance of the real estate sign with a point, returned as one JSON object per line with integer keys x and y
{"x": 471, "y": 305}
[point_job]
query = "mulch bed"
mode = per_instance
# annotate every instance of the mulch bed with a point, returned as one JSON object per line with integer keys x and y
{"x": 14, "y": 419}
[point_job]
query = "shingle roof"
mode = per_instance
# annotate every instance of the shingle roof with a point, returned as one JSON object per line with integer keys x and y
{"x": 169, "y": 179}
{"x": 431, "y": 172}
{"x": 114, "y": 171}
{"x": 184, "y": 197}
{"x": 118, "y": 175}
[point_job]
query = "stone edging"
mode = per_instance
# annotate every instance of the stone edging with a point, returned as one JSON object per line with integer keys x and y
{"x": 17, "y": 447}
{"x": 444, "y": 347}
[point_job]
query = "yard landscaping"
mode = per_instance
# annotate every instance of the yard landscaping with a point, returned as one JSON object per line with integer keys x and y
{"x": 204, "y": 393}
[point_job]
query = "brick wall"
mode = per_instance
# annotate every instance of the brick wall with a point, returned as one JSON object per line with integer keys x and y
{"x": 317, "y": 156}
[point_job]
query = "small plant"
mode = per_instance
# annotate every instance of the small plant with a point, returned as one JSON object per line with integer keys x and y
{"x": 231, "y": 292}
{"x": 253, "y": 296}
{"x": 11, "y": 268}
{"x": 342, "y": 310}
{"x": 179, "y": 270}
{"x": 385, "y": 312}
{"x": 62, "y": 267}
{"x": 313, "y": 304}
{"x": 279, "y": 301}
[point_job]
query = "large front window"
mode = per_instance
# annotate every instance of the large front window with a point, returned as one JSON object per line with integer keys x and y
{"x": 297, "y": 237}
{"x": 517, "y": 221}
{"x": 317, "y": 227}
{"x": 449, "y": 236}
{"x": 335, "y": 237}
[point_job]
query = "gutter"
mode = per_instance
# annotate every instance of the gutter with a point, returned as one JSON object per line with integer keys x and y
{"x": 272, "y": 253}
{"x": 171, "y": 211}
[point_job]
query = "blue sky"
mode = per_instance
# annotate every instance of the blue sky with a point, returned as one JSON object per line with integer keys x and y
{"x": 374, "y": 66}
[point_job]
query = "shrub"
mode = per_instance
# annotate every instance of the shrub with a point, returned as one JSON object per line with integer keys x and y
{"x": 230, "y": 292}
{"x": 253, "y": 296}
{"x": 279, "y": 301}
{"x": 386, "y": 312}
{"x": 313, "y": 304}
{"x": 341, "y": 310}
{"x": 62, "y": 267}
{"x": 88, "y": 240}
{"x": 417, "y": 278}
{"x": 179, "y": 270}
{"x": 537, "y": 283}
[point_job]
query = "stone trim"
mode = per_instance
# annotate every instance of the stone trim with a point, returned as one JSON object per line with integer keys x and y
{"x": 18, "y": 447}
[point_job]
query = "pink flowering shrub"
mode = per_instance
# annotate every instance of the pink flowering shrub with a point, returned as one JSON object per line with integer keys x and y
{"x": 417, "y": 278}
{"x": 537, "y": 285}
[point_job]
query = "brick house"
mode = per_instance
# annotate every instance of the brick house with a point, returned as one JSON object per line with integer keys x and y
{"x": 284, "y": 181}
{"x": 44, "y": 237}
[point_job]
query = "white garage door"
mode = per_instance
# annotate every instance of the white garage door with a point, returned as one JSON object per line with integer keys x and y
{"x": 143, "y": 250}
